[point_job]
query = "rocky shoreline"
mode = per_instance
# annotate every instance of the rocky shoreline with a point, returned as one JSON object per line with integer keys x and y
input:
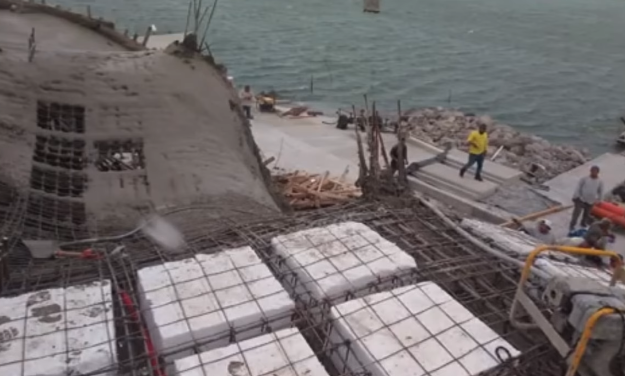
{"x": 522, "y": 151}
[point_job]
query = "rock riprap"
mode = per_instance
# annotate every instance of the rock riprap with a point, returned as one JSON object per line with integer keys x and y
{"x": 440, "y": 126}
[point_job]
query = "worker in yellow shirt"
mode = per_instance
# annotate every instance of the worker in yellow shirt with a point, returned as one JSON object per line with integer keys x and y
{"x": 478, "y": 145}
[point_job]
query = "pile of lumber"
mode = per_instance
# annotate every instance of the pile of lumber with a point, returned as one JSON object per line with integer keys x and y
{"x": 308, "y": 191}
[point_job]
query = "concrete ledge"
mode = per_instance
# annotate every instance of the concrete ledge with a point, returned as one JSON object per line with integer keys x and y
{"x": 612, "y": 166}
{"x": 463, "y": 206}
{"x": 293, "y": 154}
{"x": 492, "y": 171}
{"x": 448, "y": 177}
{"x": 104, "y": 28}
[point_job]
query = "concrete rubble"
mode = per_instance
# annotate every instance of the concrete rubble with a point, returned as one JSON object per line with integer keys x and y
{"x": 440, "y": 126}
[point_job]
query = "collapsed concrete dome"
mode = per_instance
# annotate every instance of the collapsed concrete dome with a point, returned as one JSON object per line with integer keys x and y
{"x": 96, "y": 131}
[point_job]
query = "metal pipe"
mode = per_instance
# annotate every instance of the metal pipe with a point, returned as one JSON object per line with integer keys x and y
{"x": 536, "y": 215}
{"x": 496, "y": 153}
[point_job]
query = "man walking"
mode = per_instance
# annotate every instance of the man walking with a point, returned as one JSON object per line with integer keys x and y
{"x": 247, "y": 100}
{"x": 588, "y": 192}
{"x": 478, "y": 145}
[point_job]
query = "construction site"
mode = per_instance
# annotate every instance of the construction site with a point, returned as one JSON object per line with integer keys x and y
{"x": 144, "y": 234}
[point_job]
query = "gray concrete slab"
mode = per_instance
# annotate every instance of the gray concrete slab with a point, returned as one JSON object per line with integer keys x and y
{"x": 493, "y": 171}
{"x": 195, "y": 147}
{"x": 519, "y": 199}
{"x": 161, "y": 41}
{"x": 342, "y": 144}
{"x": 293, "y": 154}
{"x": 51, "y": 34}
{"x": 293, "y": 140}
{"x": 562, "y": 187}
{"x": 449, "y": 177}
{"x": 461, "y": 205}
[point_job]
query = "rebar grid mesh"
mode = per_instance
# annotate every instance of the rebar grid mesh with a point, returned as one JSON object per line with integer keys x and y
{"x": 482, "y": 284}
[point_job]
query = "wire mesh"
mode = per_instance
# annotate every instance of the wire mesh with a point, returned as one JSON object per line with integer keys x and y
{"x": 480, "y": 283}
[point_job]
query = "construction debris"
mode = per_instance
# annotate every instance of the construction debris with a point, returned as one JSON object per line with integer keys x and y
{"x": 309, "y": 191}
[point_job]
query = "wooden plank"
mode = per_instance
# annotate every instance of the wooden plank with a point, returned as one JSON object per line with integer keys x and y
{"x": 536, "y": 215}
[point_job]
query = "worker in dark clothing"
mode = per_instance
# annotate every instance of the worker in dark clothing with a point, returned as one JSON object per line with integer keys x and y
{"x": 360, "y": 121}
{"x": 395, "y": 158}
{"x": 597, "y": 237}
{"x": 342, "y": 121}
{"x": 375, "y": 117}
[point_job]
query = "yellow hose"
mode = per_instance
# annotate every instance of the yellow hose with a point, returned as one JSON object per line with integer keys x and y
{"x": 580, "y": 349}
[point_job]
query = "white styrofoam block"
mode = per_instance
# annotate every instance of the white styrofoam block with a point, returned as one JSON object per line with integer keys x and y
{"x": 59, "y": 332}
{"x": 512, "y": 241}
{"x": 562, "y": 269}
{"x": 283, "y": 353}
{"x": 418, "y": 329}
{"x": 198, "y": 300}
{"x": 329, "y": 261}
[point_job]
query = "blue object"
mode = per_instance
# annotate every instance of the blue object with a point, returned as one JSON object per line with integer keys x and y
{"x": 579, "y": 233}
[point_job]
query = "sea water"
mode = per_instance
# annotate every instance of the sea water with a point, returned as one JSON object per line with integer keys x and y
{"x": 553, "y": 68}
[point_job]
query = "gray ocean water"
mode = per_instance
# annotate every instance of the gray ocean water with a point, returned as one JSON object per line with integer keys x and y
{"x": 555, "y": 68}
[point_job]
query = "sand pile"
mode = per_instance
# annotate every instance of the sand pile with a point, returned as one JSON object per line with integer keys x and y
{"x": 440, "y": 126}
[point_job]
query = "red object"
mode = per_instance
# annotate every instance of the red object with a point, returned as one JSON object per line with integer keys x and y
{"x": 613, "y": 208}
{"x": 86, "y": 254}
{"x": 603, "y": 213}
{"x": 149, "y": 345}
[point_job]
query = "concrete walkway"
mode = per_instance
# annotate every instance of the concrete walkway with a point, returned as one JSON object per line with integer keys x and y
{"x": 562, "y": 187}
{"x": 308, "y": 136}
{"x": 612, "y": 173}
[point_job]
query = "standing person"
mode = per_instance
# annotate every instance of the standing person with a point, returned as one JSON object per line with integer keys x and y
{"x": 478, "y": 145}
{"x": 360, "y": 121}
{"x": 588, "y": 192}
{"x": 395, "y": 158}
{"x": 247, "y": 100}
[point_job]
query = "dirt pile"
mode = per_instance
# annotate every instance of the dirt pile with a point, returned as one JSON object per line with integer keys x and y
{"x": 440, "y": 126}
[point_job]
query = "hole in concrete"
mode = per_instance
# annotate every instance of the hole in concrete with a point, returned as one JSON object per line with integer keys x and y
{"x": 60, "y": 152}
{"x": 120, "y": 155}
{"x": 60, "y": 117}
{"x": 60, "y": 183}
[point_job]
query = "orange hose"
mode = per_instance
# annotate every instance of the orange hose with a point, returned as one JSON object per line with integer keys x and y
{"x": 612, "y": 208}
{"x": 134, "y": 315}
{"x": 603, "y": 213}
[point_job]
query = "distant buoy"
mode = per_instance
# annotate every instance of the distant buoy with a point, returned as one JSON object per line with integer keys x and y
{"x": 372, "y": 6}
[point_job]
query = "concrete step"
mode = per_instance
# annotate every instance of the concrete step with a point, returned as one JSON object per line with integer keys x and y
{"x": 447, "y": 178}
{"x": 492, "y": 171}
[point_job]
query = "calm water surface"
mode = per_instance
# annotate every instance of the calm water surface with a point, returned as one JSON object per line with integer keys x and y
{"x": 554, "y": 68}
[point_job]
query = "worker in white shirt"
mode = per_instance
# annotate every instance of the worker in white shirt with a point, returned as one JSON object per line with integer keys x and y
{"x": 247, "y": 101}
{"x": 589, "y": 191}
{"x": 540, "y": 230}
